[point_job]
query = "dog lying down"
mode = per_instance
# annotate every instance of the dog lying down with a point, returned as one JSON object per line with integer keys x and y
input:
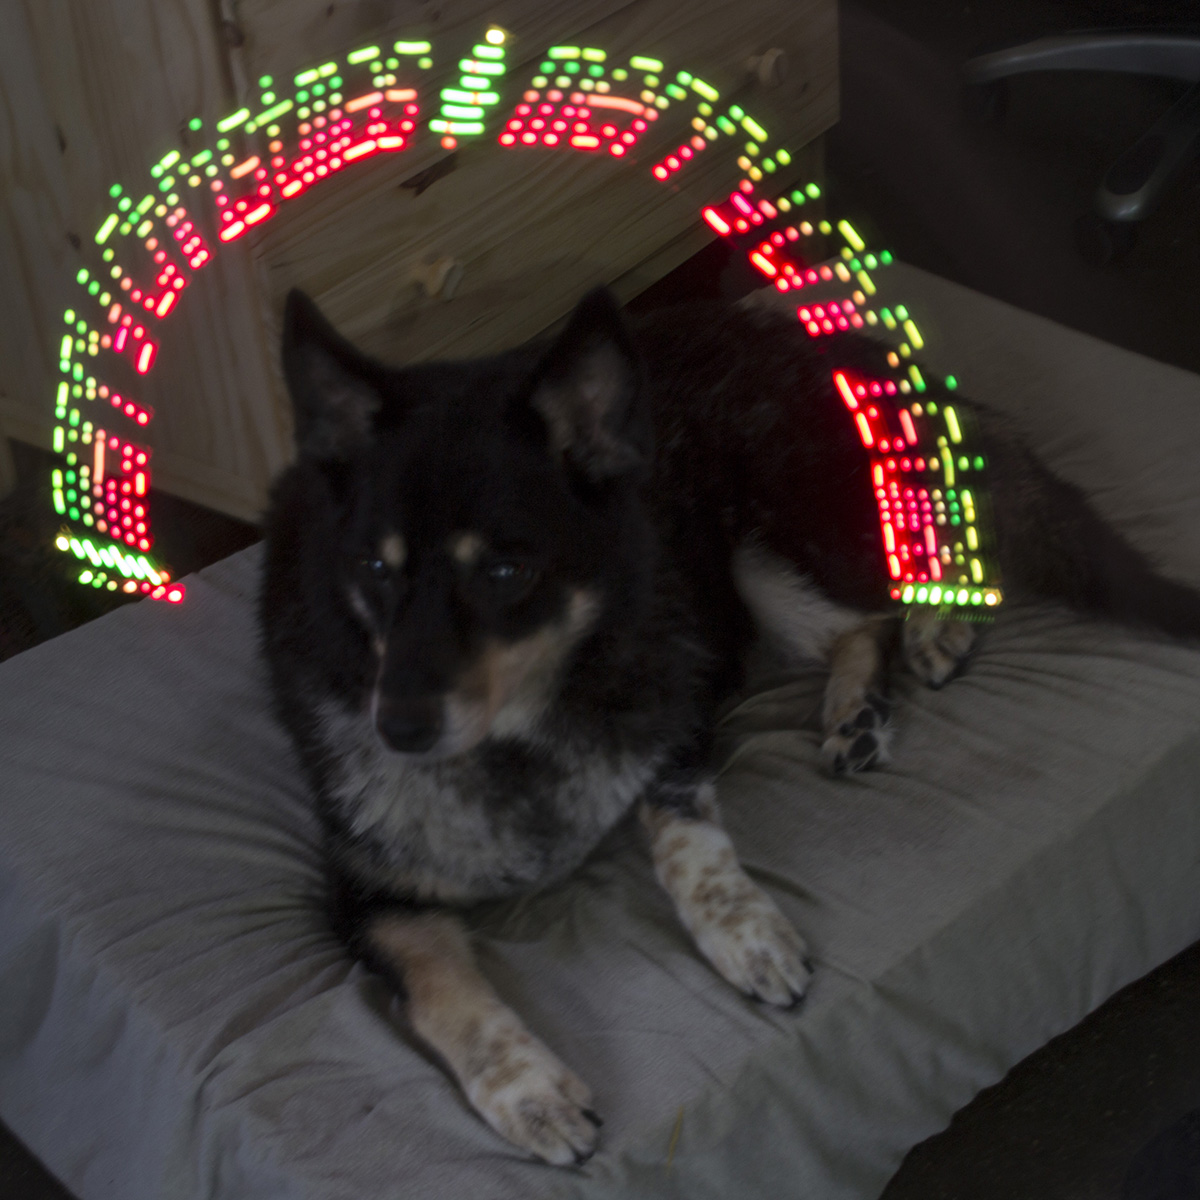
{"x": 505, "y": 598}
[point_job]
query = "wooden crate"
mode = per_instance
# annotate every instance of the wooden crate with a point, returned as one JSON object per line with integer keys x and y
{"x": 96, "y": 91}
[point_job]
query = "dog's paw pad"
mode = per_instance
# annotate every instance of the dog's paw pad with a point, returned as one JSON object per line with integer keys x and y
{"x": 860, "y": 741}
{"x": 533, "y": 1100}
{"x": 756, "y": 948}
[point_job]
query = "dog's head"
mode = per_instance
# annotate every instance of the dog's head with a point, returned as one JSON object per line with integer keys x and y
{"x": 469, "y": 525}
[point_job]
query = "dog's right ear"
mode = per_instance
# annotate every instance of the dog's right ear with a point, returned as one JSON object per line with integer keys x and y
{"x": 334, "y": 388}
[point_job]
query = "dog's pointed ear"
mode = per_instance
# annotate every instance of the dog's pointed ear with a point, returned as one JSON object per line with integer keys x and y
{"x": 334, "y": 388}
{"x": 587, "y": 390}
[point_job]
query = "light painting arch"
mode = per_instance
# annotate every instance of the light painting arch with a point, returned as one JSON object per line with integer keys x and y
{"x": 927, "y": 472}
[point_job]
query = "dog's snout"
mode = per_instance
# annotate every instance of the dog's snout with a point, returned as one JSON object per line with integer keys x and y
{"x": 409, "y": 725}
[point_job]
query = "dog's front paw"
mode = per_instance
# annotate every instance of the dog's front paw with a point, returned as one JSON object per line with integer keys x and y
{"x": 532, "y": 1099}
{"x": 753, "y": 945}
{"x": 858, "y": 738}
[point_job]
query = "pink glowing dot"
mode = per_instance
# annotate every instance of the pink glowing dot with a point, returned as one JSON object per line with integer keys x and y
{"x": 660, "y": 172}
{"x": 507, "y": 139}
{"x": 524, "y": 109}
{"x": 554, "y": 94}
{"x": 551, "y": 139}
{"x": 529, "y": 138}
{"x": 616, "y": 149}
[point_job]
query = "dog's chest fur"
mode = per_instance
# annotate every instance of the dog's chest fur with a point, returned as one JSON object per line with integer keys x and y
{"x": 510, "y": 817}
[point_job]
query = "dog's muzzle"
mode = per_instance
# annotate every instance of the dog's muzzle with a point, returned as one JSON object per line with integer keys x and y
{"x": 410, "y": 725}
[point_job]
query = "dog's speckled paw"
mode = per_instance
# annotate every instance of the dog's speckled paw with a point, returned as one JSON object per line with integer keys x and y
{"x": 755, "y": 947}
{"x": 533, "y": 1100}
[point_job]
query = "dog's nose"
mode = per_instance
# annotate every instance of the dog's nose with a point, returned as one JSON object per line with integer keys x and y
{"x": 409, "y": 725}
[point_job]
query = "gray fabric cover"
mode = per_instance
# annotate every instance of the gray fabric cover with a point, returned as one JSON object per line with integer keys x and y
{"x": 176, "y": 1021}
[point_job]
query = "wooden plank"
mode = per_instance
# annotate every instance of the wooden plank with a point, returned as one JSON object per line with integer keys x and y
{"x": 96, "y": 91}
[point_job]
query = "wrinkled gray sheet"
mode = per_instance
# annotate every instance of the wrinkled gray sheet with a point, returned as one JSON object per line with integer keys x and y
{"x": 177, "y": 1022}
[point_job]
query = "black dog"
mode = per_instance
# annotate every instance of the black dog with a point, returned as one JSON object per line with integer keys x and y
{"x": 505, "y": 599}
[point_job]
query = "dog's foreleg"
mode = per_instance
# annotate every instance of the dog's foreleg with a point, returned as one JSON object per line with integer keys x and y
{"x": 736, "y": 925}
{"x": 855, "y": 713}
{"x": 512, "y": 1079}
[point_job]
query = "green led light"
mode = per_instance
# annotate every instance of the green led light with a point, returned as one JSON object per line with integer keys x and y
{"x": 812, "y": 190}
{"x": 736, "y": 113}
{"x": 233, "y": 120}
{"x": 412, "y": 47}
{"x": 562, "y": 52}
{"x": 115, "y": 190}
{"x": 754, "y": 129}
{"x": 640, "y": 63}
{"x": 851, "y": 235}
{"x": 885, "y": 257}
{"x": 277, "y": 111}
{"x": 492, "y": 52}
{"x": 424, "y": 63}
{"x": 951, "y": 382}
{"x": 726, "y": 125}
{"x": 363, "y": 55}
{"x": 706, "y": 90}
{"x": 591, "y": 54}
{"x": 783, "y": 157}
{"x": 109, "y": 225}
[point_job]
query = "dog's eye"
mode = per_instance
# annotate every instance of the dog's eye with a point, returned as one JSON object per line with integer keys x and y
{"x": 510, "y": 576}
{"x": 375, "y": 568}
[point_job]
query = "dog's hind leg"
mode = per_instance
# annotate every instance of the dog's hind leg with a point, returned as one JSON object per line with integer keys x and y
{"x": 736, "y": 925}
{"x": 515, "y": 1083}
{"x": 855, "y": 715}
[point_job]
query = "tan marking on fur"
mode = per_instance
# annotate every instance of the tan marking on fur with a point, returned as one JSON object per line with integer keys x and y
{"x": 855, "y": 669}
{"x": 511, "y": 1078}
{"x": 511, "y": 684}
{"x": 934, "y": 647}
{"x": 393, "y": 551}
{"x": 736, "y": 925}
{"x": 465, "y": 548}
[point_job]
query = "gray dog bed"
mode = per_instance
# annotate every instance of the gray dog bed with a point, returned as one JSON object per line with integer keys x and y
{"x": 177, "y": 1021}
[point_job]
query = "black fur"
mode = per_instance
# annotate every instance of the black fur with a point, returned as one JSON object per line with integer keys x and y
{"x": 621, "y": 465}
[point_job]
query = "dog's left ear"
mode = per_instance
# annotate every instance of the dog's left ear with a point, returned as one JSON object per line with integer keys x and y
{"x": 587, "y": 389}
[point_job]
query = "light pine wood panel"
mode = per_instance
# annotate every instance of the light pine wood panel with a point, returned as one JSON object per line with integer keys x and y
{"x": 92, "y": 93}
{"x": 534, "y": 228}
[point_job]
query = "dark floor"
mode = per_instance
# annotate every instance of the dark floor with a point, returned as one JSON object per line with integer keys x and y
{"x": 1100, "y": 1113}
